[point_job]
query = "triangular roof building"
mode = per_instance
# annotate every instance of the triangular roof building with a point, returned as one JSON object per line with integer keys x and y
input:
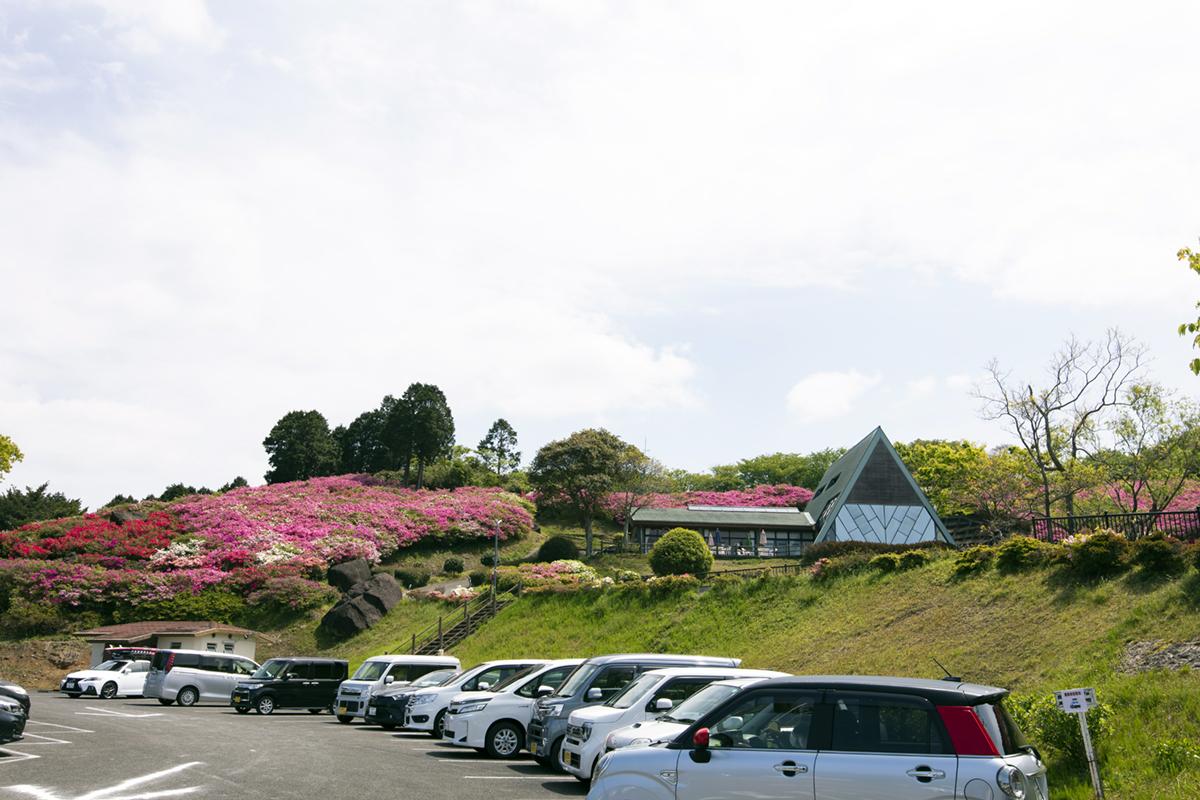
{"x": 868, "y": 495}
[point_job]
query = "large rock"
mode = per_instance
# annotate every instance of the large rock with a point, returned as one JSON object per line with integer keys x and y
{"x": 350, "y": 616}
{"x": 120, "y": 516}
{"x": 343, "y": 576}
{"x": 382, "y": 591}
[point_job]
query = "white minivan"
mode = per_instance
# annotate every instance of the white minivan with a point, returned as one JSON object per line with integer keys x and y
{"x": 427, "y": 708}
{"x": 647, "y": 696}
{"x": 189, "y": 677}
{"x": 379, "y": 671}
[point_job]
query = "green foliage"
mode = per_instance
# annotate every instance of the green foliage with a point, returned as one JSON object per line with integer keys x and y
{"x": 453, "y": 565}
{"x": 1158, "y": 554}
{"x": 681, "y": 551}
{"x": 26, "y": 618}
{"x": 725, "y": 583}
{"x": 120, "y": 500}
{"x": 34, "y": 505}
{"x": 1195, "y": 555}
{"x": 974, "y": 560}
{"x": 1021, "y": 553}
{"x": 884, "y": 562}
{"x": 178, "y": 490}
{"x": 828, "y": 569}
{"x": 9, "y": 454}
{"x": 362, "y": 445}
{"x": 499, "y": 448}
{"x": 627, "y": 576}
{"x": 668, "y": 585}
{"x": 1047, "y": 728}
{"x": 421, "y": 427}
{"x": 237, "y": 483}
{"x": 479, "y": 577}
{"x": 1176, "y": 754}
{"x": 1192, "y": 259}
{"x": 944, "y": 469}
{"x": 556, "y": 548}
{"x": 411, "y": 578}
{"x": 834, "y": 549}
{"x": 1097, "y": 555}
{"x": 489, "y": 560}
{"x": 211, "y": 604}
{"x": 300, "y": 446}
{"x": 913, "y": 559}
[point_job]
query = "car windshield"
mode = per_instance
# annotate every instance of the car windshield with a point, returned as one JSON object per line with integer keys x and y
{"x": 371, "y": 671}
{"x": 701, "y": 703}
{"x": 110, "y": 666}
{"x": 634, "y": 691}
{"x": 435, "y": 678}
{"x": 522, "y": 675}
{"x": 579, "y": 678}
{"x": 270, "y": 670}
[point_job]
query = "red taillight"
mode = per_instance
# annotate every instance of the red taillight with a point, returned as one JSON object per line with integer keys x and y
{"x": 170, "y": 663}
{"x": 967, "y": 734}
{"x": 700, "y": 737}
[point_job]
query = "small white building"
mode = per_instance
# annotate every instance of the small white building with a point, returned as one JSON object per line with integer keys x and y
{"x": 215, "y": 637}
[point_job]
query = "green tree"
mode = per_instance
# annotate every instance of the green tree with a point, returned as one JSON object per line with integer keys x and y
{"x": 795, "y": 469}
{"x": 34, "y": 505}
{"x": 578, "y": 472}
{"x": 1192, "y": 259}
{"x": 363, "y": 443}
{"x": 498, "y": 448}
{"x": 120, "y": 500}
{"x": 300, "y": 447}
{"x": 943, "y": 469}
{"x": 9, "y": 454}
{"x": 237, "y": 483}
{"x": 639, "y": 478}
{"x": 177, "y": 490}
{"x": 420, "y": 428}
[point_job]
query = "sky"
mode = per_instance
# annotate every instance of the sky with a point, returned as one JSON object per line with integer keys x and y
{"x": 717, "y": 229}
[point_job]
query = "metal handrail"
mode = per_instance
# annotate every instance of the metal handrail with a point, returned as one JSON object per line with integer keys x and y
{"x": 437, "y": 631}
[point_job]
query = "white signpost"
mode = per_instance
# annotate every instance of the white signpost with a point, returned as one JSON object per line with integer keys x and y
{"x": 1078, "y": 701}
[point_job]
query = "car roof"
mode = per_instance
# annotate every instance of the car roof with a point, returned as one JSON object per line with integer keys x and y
{"x": 310, "y": 659}
{"x": 513, "y": 662}
{"x": 706, "y": 671}
{"x": 204, "y": 653}
{"x": 663, "y": 658}
{"x": 939, "y": 692}
{"x": 449, "y": 661}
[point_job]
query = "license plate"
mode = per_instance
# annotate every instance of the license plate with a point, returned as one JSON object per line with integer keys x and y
{"x": 570, "y": 759}
{"x": 370, "y": 709}
{"x": 533, "y": 746}
{"x": 342, "y": 710}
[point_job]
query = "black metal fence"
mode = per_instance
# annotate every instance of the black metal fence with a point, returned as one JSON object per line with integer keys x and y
{"x": 1180, "y": 524}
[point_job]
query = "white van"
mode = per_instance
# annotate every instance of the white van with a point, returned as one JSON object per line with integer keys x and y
{"x": 379, "y": 671}
{"x": 188, "y": 677}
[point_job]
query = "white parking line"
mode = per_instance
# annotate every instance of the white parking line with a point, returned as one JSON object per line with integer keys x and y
{"x": 56, "y": 725}
{"x": 113, "y": 792}
{"x": 104, "y": 712}
{"x": 544, "y": 778}
{"x": 45, "y": 740}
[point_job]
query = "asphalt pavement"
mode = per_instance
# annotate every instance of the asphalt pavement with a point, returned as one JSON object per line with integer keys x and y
{"x": 134, "y": 748}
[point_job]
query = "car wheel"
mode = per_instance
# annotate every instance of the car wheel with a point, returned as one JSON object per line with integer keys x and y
{"x": 265, "y": 705}
{"x": 315, "y": 710}
{"x": 188, "y": 696}
{"x": 504, "y": 740}
{"x": 439, "y": 725}
{"x": 164, "y": 702}
{"x": 108, "y": 691}
{"x": 241, "y": 710}
{"x": 388, "y": 726}
{"x": 74, "y": 696}
{"x": 555, "y": 764}
{"x": 345, "y": 719}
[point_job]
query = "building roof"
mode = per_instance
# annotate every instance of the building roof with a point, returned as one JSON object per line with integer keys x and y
{"x": 775, "y": 518}
{"x": 141, "y": 631}
{"x": 839, "y": 475}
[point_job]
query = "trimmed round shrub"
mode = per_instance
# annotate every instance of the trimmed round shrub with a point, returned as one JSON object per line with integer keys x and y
{"x": 453, "y": 565}
{"x": 1158, "y": 554}
{"x": 1020, "y": 553}
{"x": 973, "y": 560}
{"x": 886, "y": 562}
{"x": 488, "y": 560}
{"x": 1097, "y": 555}
{"x": 411, "y": 578}
{"x": 913, "y": 559}
{"x": 841, "y": 566}
{"x": 681, "y": 551}
{"x": 558, "y": 548}
{"x": 479, "y": 577}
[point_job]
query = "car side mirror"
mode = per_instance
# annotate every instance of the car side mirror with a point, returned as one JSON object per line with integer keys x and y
{"x": 545, "y": 691}
{"x": 484, "y": 686}
{"x": 731, "y": 724}
{"x": 593, "y": 695}
{"x": 663, "y": 704}
{"x": 388, "y": 679}
{"x": 700, "y": 753}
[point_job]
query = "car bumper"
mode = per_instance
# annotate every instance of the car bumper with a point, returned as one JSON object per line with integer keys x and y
{"x": 463, "y": 731}
{"x": 420, "y": 720}
{"x": 577, "y": 757}
{"x": 241, "y": 700}
{"x": 352, "y": 706}
{"x": 12, "y": 727}
{"x": 542, "y": 735}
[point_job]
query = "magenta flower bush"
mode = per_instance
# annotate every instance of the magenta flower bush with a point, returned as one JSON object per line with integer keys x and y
{"x": 776, "y": 496}
{"x": 267, "y": 544}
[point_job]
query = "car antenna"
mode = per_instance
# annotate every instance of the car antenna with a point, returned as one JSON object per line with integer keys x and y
{"x": 948, "y": 677}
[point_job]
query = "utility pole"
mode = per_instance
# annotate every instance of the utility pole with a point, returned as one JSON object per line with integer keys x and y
{"x": 495, "y": 561}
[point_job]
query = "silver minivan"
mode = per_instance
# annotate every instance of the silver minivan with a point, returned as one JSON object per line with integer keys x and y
{"x": 189, "y": 677}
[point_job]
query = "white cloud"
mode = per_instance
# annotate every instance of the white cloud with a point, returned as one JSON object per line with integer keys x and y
{"x": 828, "y": 395}
{"x": 149, "y": 28}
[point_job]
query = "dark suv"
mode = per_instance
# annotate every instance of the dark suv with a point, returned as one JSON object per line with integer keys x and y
{"x": 310, "y": 683}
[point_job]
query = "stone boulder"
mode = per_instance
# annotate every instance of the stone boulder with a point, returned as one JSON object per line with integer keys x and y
{"x": 351, "y": 615}
{"x": 382, "y": 591}
{"x": 345, "y": 575}
{"x": 120, "y": 516}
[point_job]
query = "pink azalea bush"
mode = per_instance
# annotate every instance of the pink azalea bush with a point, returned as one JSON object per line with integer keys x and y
{"x": 775, "y": 496}
{"x": 266, "y": 544}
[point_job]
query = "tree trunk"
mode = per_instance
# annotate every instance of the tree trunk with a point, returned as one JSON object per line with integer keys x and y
{"x": 1046, "y": 492}
{"x": 420, "y": 472}
{"x": 587, "y": 534}
{"x": 407, "y": 468}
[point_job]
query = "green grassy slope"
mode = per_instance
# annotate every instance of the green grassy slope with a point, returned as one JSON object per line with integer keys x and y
{"x": 1027, "y": 632}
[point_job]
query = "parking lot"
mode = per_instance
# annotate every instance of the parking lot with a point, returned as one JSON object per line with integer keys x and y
{"x": 108, "y": 750}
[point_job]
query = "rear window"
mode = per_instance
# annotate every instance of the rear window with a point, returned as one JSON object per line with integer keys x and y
{"x": 887, "y": 724}
{"x": 159, "y": 661}
{"x": 1002, "y": 729}
{"x": 186, "y": 660}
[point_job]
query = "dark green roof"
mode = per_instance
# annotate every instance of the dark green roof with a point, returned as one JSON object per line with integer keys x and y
{"x": 839, "y": 475}
{"x": 779, "y": 518}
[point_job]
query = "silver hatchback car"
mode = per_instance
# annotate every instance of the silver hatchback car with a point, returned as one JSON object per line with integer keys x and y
{"x": 837, "y": 738}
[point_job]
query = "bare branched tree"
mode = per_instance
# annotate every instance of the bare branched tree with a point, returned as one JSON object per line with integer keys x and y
{"x": 1055, "y": 423}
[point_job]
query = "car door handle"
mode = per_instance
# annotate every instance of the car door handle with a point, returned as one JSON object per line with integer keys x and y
{"x": 926, "y": 774}
{"x": 791, "y": 768}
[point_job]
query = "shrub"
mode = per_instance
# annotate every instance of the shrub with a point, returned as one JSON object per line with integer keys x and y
{"x": 913, "y": 559}
{"x": 627, "y": 576}
{"x": 27, "y": 618}
{"x": 1158, "y": 554}
{"x": 830, "y": 568}
{"x": 213, "y": 604}
{"x": 1196, "y": 556}
{"x": 291, "y": 592}
{"x": 411, "y": 578}
{"x": 681, "y": 551}
{"x": 479, "y": 577}
{"x": 667, "y": 585}
{"x": 815, "y": 553}
{"x": 453, "y": 565}
{"x": 488, "y": 560}
{"x": 1048, "y": 728}
{"x": 1020, "y": 553}
{"x": 558, "y": 548}
{"x": 1174, "y": 755}
{"x": 973, "y": 560}
{"x": 725, "y": 583}
{"x": 884, "y": 562}
{"x": 1097, "y": 555}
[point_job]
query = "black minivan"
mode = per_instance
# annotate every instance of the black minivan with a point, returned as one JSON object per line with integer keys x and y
{"x": 310, "y": 683}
